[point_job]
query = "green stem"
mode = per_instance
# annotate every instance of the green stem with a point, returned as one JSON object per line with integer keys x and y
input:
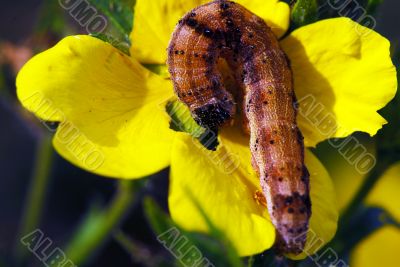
{"x": 138, "y": 252}
{"x": 250, "y": 261}
{"x": 125, "y": 242}
{"x": 97, "y": 227}
{"x": 36, "y": 194}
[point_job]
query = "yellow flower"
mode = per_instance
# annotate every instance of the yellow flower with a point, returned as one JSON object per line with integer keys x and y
{"x": 109, "y": 103}
{"x": 380, "y": 248}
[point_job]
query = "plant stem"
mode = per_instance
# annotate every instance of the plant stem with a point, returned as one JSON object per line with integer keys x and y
{"x": 125, "y": 242}
{"x": 99, "y": 225}
{"x": 137, "y": 253}
{"x": 36, "y": 194}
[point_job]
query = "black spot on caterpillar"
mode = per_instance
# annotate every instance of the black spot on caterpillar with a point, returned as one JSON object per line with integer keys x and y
{"x": 224, "y": 29}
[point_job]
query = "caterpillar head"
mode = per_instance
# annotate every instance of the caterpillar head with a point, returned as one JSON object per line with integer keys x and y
{"x": 214, "y": 113}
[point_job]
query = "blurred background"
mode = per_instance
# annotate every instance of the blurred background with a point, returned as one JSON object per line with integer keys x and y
{"x": 65, "y": 199}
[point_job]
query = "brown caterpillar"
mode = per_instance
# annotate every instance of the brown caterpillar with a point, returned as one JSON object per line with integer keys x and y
{"x": 224, "y": 29}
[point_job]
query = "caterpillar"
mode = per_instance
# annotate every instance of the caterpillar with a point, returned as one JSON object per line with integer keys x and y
{"x": 226, "y": 30}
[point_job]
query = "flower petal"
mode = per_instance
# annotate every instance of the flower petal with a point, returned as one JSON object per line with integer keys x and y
{"x": 343, "y": 74}
{"x": 385, "y": 193}
{"x": 224, "y": 184}
{"x": 226, "y": 197}
{"x": 112, "y": 119}
{"x": 155, "y": 20}
{"x": 379, "y": 249}
{"x": 342, "y": 158}
{"x": 275, "y": 13}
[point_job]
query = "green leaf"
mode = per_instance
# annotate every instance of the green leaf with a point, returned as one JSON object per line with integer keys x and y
{"x": 139, "y": 251}
{"x": 327, "y": 8}
{"x": 120, "y": 45}
{"x": 51, "y": 18}
{"x": 304, "y": 12}
{"x": 182, "y": 121}
{"x": 160, "y": 69}
{"x": 211, "y": 248}
{"x": 159, "y": 221}
{"x": 99, "y": 223}
{"x": 119, "y": 13}
{"x": 373, "y": 5}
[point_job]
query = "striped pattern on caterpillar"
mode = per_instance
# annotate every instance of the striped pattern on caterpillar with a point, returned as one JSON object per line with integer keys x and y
{"x": 224, "y": 29}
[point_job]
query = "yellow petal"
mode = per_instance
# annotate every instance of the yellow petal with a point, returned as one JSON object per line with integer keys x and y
{"x": 226, "y": 197}
{"x": 381, "y": 248}
{"x": 112, "y": 117}
{"x": 224, "y": 184}
{"x": 155, "y": 20}
{"x": 385, "y": 193}
{"x": 343, "y": 74}
{"x": 343, "y": 163}
{"x": 275, "y": 13}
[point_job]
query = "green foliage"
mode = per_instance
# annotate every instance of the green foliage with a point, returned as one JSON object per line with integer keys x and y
{"x": 51, "y": 18}
{"x": 327, "y": 10}
{"x": 182, "y": 121}
{"x": 120, "y": 45}
{"x": 304, "y": 12}
{"x": 373, "y": 5}
{"x": 160, "y": 69}
{"x": 99, "y": 223}
{"x": 213, "y": 247}
{"x": 119, "y": 14}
